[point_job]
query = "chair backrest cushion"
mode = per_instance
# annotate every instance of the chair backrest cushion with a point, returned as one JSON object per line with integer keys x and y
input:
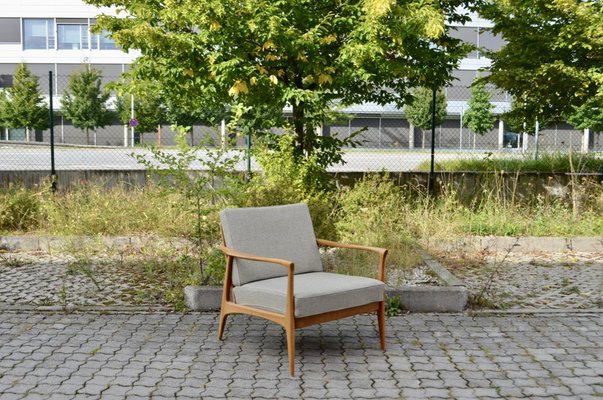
{"x": 284, "y": 232}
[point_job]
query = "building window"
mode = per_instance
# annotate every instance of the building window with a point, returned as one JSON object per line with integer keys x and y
{"x": 10, "y": 30}
{"x": 102, "y": 42}
{"x": 38, "y": 33}
{"x": 6, "y": 81}
{"x": 72, "y": 36}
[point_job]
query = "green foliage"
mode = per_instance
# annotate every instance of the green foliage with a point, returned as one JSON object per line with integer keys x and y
{"x": 479, "y": 117}
{"x": 20, "y": 210}
{"x": 553, "y": 53}
{"x": 419, "y": 111}
{"x": 393, "y": 306}
{"x": 84, "y": 102}
{"x": 588, "y": 115}
{"x": 264, "y": 56}
{"x": 23, "y": 106}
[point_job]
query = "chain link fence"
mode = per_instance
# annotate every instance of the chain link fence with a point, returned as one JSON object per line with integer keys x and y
{"x": 386, "y": 141}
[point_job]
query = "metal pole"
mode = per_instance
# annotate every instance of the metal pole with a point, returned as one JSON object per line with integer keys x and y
{"x": 53, "y": 172}
{"x": 430, "y": 182}
{"x": 132, "y": 116}
{"x": 248, "y": 154}
{"x": 537, "y": 134}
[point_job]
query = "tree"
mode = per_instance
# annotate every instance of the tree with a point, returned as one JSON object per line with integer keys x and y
{"x": 479, "y": 117}
{"x": 553, "y": 54}
{"x": 148, "y": 111}
{"x": 588, "y": 115}
{"x": 84, "y": 102}
{"x": 252, "y": 55}
{"x": 418, "y": 111}
{"x": 22, "y": 106}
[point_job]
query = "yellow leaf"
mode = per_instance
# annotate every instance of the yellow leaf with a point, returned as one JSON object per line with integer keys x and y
{"x": 214, "y": 26}
{"x": 262, "y": 70}
{"x": 273, "y": 80}
{"x": 253, "y": 81}
{"x": 377, "y": 8}
{"x": 308, "y": 79}
{"x": 301, "y": 57}
{"x": 269, "y": 44}
{"x": 325, "y": 78}
{"x": 328, "y": 39}
{"x": 271, "y": 57}
{"x": 237, "y": 88}
{"x": 188, "y": 72}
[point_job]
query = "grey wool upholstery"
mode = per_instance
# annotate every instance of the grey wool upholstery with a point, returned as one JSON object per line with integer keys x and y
{"x": 284, "y": 232}
{"x": 315, "y": 293}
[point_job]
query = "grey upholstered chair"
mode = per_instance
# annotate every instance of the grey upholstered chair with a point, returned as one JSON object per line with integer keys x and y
{"x": 274, "y": 271}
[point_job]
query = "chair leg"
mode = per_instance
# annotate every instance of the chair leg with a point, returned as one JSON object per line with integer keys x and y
{"x": 290, "y": 331}
{"x": 381, "y": 320}
{"x": 221, "y": 324}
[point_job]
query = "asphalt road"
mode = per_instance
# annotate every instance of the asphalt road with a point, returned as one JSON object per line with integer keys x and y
{"x": 38, "y": 158}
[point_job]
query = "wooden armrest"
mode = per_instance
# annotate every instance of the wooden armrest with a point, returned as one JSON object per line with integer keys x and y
{"x": 328, "y": 243}
{"x": 379, "y": 250}
{"x": 247, "y": 256}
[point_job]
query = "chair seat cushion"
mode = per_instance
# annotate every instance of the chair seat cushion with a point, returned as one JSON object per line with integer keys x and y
{"x": 315, "y": 293}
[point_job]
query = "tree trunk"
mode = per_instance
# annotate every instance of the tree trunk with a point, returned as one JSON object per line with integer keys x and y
{"x": 298, "y": 124}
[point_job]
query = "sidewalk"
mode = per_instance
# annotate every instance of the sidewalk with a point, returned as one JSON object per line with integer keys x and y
{"x": 141, "y": 356}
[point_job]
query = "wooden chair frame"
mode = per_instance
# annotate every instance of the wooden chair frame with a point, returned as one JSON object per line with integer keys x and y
{"x": 288, "y": 320}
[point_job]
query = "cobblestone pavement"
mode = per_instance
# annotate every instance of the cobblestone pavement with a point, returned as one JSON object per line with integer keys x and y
{"x": 136, "y": 356}
{"x": 538, "y": 280}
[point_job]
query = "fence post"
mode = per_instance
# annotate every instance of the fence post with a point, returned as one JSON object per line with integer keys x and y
{"x": 53, "y": 173}
{"x": 430, "y": 183}
{"x": 536, "y": 141}
{"x": 585, "y": 140}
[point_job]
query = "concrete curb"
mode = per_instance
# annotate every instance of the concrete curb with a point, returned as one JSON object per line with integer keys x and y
{"x": 57, "y": 243}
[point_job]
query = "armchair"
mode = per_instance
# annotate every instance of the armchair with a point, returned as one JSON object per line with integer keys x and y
{"x": 274, "y": 271}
